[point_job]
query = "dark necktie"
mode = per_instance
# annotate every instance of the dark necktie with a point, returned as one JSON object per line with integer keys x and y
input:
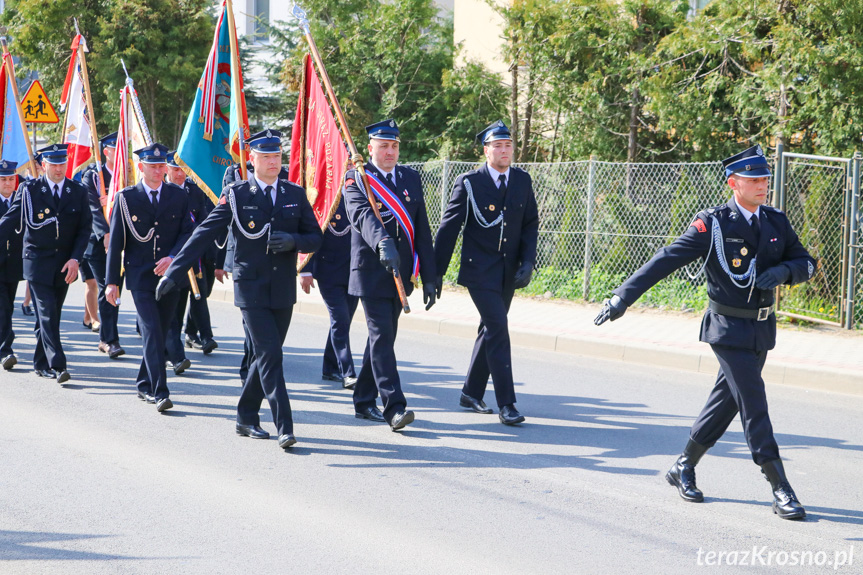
{"x": 502, "y": 187}
{"x": 56, "y": 194}
{"x": 390, "y": 181}
{"x": 756, "y": 229}
{"x": 268, "y": 193}
{"x": 155, "y": 194}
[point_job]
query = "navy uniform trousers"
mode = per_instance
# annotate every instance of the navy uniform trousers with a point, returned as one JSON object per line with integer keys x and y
{"x": 48, "y": 300}
{"x": 267, "y": 329}
{"x": 379, "y": 372}
{"x": 492, "y": 352}
{"x": 154, "y": 318}
{"x": 7, "y": 306}
{"x": 341, "y": 306}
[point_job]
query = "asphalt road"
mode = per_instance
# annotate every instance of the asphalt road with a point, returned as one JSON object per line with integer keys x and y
{"x": 95, "y": 481}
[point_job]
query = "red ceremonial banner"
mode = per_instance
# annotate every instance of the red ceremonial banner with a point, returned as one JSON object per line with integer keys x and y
{"x": 318, "y": 155}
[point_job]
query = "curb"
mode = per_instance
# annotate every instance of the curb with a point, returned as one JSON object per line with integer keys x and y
{"x": 820, "y": 379}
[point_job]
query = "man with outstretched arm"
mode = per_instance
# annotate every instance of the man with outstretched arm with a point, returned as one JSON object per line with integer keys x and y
{"x": 749, "y": 249}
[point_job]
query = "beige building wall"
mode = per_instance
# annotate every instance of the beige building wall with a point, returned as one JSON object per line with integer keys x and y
{"x": 479, "y": 30}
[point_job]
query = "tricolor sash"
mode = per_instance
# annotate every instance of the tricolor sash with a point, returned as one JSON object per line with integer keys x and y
{"x": 394, "y": 204}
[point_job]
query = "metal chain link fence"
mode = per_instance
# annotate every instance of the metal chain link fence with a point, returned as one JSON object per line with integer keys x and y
{"x": 600, "y": 221}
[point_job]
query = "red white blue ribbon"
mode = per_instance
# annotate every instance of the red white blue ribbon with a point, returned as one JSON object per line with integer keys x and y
{"x": 394, "y": 204}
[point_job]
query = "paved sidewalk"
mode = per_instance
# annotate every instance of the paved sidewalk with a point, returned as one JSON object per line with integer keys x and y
{"x": 817, "y": 357}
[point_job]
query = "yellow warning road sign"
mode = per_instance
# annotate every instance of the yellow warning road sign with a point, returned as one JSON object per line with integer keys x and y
{"x": 37, "y": 108}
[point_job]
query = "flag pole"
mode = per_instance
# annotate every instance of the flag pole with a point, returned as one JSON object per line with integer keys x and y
{"x": 94, "y": 139}
{"x": 356, "y": 158}
{"x": 10, "y": 74}
{"x": 235, "y": 87}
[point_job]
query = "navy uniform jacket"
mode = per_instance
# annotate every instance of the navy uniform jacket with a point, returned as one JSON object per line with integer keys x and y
{"x": 261, "y": 278}
{"x": 100, "y": 224}
{"x": 778, "y": 244}
{"x": 368, "y": 277}
{"x": 200, "y": 207}
{"x": 487, "y": 262}
{"x": 47, "y": 249}
{"x": 11, "y": 252}
{"x": 172, "y": 226}
{"x": 331, "y": 264}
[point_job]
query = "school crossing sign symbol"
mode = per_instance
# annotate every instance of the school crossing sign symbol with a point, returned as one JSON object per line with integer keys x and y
{"x": 37, "y": 108}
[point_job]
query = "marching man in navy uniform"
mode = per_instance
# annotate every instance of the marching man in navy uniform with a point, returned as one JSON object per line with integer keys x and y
{"x": 97, "y": 249}
{"x": 54, "y": 213}
{"x": 330, "y": 266}
{"x": 271, "y": 220}
{"x": 150, "y": 222}
{"x": 11, "y": 268}
{"x": 758, "y": 251}
{"x": 376, "y": 250}
{"x": 497, "y": 208}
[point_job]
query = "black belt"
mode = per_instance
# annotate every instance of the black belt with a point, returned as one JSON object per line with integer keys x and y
{"x": 760, "y": 314}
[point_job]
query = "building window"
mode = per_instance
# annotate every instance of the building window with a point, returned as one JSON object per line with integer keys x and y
{"x": 258, "y": 15}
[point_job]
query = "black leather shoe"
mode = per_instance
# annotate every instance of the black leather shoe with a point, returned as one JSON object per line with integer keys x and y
{"x": 682, "y": 473}
{"x": 181, "y": 366}
{"x": 164, "y": 404}
{"x": 193, "y": 342}
{"x": 9, "y": 361}
{"x": 208, "y": 345}
{"x": 401, "y": 419}
{"x": 349, "y": 382}
{"x": 115, "y": 351}
{"x": 87, "y": 326}
{"x": 287, "y": 440}
{"x": 48, "y": 373}
{"x": 253, "y": 431}
{"x": 146, "y": 397}
{"x": 509, "y": 415}
{"x": 477, "y": 405}
{"x": 785, "y": 502}
{"x": 331, "y": 377}
{"x": 371, "y": 413}
{"x": 63, "y": 377}
{"x": 26, "y": 309}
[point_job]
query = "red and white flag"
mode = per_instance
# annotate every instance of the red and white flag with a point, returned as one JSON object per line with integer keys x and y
{"x": 76, "y": 124}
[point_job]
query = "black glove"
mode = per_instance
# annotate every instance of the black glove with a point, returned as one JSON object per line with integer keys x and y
{"x": 438, "y": 285}
{"x": 166, "y": 286}
{"x": 523, "y": 275}
{"x": 389, "y": 254}
{"x": 772, "y": 277}
{"x": 611, "y": 310}
{"x": 281, "y": 242}
{"x": 429, "y": 295}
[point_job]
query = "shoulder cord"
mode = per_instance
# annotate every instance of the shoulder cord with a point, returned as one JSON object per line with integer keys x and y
{"x": 27, "y": 216}
{"x": 477, "y": 214}
{"x": 127, "y": 220}
{"x": 333, "y": 231}
{"x": 716, "y": 245}
{"x": 232, "y": 200}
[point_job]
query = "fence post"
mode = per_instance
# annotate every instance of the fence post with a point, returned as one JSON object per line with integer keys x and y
{"x": 443, "y": 186}
{"x": 854, "y": 221}
{"x": 779, "y": 178}
{"x": 588, "y": 228}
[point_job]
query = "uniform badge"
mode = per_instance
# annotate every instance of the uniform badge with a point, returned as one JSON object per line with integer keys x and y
{"x": 698, "y": 225}
{"x": 251, "y": 225}
{"x": 338, "y": 216}
{"x": 380, "y": 205}
{"x": 737, "y": 262}
{"x": 134, "y": 218}
{"x": 333, "y": 224}
{"x": 348, "y": 182}
{"x": 40, "y": 216}
{"x": 491, "y": 208}
{"x": 407, "y": 198}
{"x": 47, "y": 210}
{"x": 743, "y": 251}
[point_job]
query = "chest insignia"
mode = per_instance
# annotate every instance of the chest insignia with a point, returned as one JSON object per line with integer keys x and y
{"x": 251, "y": 225}
{"x": 134, "y": 218}
{"x": 491, "y": 208}
{"x": 40, "y": 216}
{"x": 743, "y": 251}
{"x": 338, "y": 216}
{"x": 737, "y": 262}
{"x": 47, "y": 210}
